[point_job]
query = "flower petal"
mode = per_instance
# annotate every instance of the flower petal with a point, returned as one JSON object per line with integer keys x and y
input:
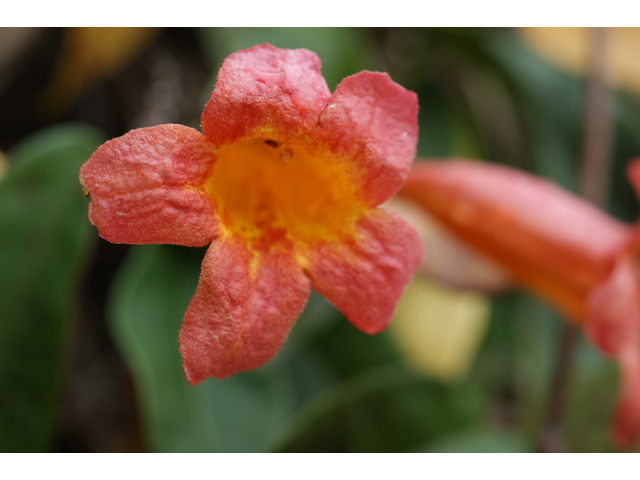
{"x": 633, "y": 174}
{"x": 556, "y": 243}
{"x": 446, "y": 258}
{"x": 264, "y": 88}
{"x": 242, "y": 311}
{"x": 144, "y": 187}
{"x": 373, "y": 121}
{"x": 613, "y": 326}
{"x": 614, "y": 308}
{"x": 365, "y": 276}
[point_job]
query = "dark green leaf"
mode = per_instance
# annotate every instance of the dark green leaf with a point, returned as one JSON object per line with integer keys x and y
{"x": 44, "y": 241}
{"x": 387, "y": 409}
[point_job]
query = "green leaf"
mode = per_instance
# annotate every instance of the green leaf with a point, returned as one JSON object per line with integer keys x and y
{"x": 238, "y": 414}
{"x": 45, "y": 238}
{"x": 481, "y": 440}
{"x": 591, "y": 402}
{"x": 553, "y": 128}
{"x": 387, "y": 409}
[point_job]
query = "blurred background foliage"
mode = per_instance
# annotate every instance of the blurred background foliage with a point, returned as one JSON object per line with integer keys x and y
{"x": 89, "y": 356}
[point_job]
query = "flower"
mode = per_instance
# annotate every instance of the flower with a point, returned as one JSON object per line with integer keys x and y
{"x": 283, "y": 184}
{"x": 554, "y": 243}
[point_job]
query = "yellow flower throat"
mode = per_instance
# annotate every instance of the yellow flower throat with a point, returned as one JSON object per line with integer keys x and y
{"x": 265, "y": 188}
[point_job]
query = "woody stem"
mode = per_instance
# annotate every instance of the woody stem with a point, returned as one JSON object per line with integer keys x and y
{"x": 595, "y": 175}
{"x": 597, "y": 158}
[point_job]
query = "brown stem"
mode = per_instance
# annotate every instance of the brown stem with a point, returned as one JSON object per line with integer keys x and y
{"x": 596, "y": 168}
{"x": 552, "y": 438}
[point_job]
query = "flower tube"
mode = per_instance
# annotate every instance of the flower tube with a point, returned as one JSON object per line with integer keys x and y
{"x": 555, "y": 244}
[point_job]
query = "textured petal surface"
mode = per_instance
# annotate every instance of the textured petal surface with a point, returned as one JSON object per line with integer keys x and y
{"x": 243, "y": 309}
{"x": 145, "y": 187}
{"x": 550, "y": 240}
{"x": 372, "y": 121}
{"x": 365, "y": 277}
{"x": 265, "y": 89}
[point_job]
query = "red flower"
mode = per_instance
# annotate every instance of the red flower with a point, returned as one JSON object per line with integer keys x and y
{"x": 554, "y": 243}
{"x": 283, "y": 184}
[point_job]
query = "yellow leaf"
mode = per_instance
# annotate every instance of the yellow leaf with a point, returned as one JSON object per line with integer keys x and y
{"x": 438, "y": 330}
{"x": 87, "y": 56}
{"x": 4, "y": 165}
{"x": 569, "y": 49}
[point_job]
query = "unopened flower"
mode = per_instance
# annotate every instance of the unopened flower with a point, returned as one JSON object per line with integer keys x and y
{"x": 554, "y": 243}
{"x": 283, "y": 183}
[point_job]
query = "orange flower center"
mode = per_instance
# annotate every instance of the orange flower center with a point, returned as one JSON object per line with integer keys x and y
{"x": 265, "y": 189}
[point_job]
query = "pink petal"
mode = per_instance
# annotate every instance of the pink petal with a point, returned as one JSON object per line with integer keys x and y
{"x": 242, "y": 311}
{"x": 633, "y": 174}
{"x": 614, "y": 308}
{"x": 265, "y": 89}
{"x": 372, "y": 121}
{"x": 613, "y": 325}
{"x": 145, "y": 187}
{"x": 448, "y": 259}
{"x": 365, "y": 276}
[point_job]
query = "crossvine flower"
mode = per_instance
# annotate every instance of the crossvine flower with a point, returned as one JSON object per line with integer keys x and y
{"x": 283, "y": 184}
{"x": 555, "y": 244}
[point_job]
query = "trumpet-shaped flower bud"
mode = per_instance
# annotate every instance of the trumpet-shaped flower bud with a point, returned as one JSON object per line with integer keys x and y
{"x": 554, "y": 243}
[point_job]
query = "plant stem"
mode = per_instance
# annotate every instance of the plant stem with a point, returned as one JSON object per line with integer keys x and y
{"x": 596, "y": 167}
{"x": 552, "y": 438}
{"x": 595, "y": 179}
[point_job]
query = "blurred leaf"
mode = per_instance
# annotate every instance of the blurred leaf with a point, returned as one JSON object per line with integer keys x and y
{"x": 553, "y": 130}
{"x": 436, "y": 128}
{"x": 237, "y": 414}
{"x": 535, "y": 342}
{"x": 386, "y": 409}
{"x": 481, "y": 440}
{"x": 569, "y": 48}
{"x": 591, "y": 402}
{"x": 624, "y": 202}
{"x": 14, "y": 46}
{"x": 438, "y": 329}
{"x": 4, "y": 165}
{"x": 349, "y": 351}
{"x": 88, "y": 55}
{"x": 317, "y": 319}
{"x": 44, "y": 241}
